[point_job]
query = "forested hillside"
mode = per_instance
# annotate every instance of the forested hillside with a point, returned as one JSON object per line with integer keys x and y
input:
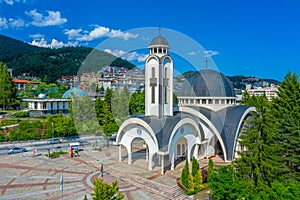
{"x": 50, "y": 64}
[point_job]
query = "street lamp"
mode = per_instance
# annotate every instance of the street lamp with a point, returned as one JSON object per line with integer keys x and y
{"x": 52, "y": 130}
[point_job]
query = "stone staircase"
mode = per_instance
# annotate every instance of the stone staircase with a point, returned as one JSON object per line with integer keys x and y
{"x": 172, "y": 193}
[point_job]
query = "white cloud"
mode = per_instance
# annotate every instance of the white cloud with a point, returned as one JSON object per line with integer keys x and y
{"x": 11, "y": 23}
{"x": 52, "y": 19}
{"x": 97, "y": 32}
{"x": 40, "y": 41}
{"x": 3, "y": 23}
{"x": 192, "y": 53}
{"x": 11, "y": 2}
{"x": 210, "y": 53}
{"x": 130, "y": 56}
{"x": 37, "y": 36}
{"x": 16, "y": 23}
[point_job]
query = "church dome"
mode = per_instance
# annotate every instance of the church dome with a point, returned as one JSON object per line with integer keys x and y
{"x": 207, "y": 83}
{"x": 159, "y": 41}
{"x": 76, "y": 91}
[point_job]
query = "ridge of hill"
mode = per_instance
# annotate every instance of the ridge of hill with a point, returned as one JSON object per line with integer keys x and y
{"x": 51, "y": 64}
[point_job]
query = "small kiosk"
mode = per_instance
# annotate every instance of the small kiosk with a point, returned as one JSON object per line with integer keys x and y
{"x": 74, "y": 148}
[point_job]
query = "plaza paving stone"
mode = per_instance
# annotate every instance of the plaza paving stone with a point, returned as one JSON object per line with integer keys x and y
{"x": 28, "y": 177}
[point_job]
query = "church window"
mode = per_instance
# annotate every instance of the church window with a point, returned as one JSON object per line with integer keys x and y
{"x": 166, "y": 80}
{"x": 159, "y": 50}
{"x": 153, "y": 84}
{"x": 183, "y": 149}
{"x": 155, "y": 50}
{"x": 178, "y": 149}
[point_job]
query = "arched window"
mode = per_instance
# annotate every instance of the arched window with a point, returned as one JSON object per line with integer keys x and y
{"x": 166, "y": 82}
{"x": 178, "y": 150}
{"x": 153, "y": 84}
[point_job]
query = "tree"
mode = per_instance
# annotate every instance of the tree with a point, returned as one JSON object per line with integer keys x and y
{"x": 191, "y": 188}
{"x": 185, "y": 174}
{"x": 7, "y": 88}
{"x": 287, "y": 111}
{"x": 226, "y": 185}
{"x": 195, "y": 166}
{"x": 198, "y": 181}
{"x": 261, "y": 162}
{"x": 105, "y": 191}
{"x": 210, "y": 166}
{"x": 137, "y": 103}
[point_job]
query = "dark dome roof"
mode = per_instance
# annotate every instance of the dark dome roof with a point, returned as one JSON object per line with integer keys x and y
{"x": 159, "y": 41}
{"x": 77, "y": 92}
{"x": 207, "y": 83}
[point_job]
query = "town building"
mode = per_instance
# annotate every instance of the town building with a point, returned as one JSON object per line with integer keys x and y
{"x": 207, "y": 122}
{"x": 21, "y": 84}
{"x": 270, "y": 92}
{"x": 46, "y": 106}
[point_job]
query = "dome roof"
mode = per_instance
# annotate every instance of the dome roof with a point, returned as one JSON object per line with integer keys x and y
{"x": 159, "y": 41}
{"x": 76, "y": 91}
{"x": 207, "y": 83}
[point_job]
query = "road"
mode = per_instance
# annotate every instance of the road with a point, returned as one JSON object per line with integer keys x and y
{"x": 42, "y": 146}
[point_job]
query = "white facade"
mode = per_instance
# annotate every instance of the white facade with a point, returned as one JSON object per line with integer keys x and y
{"x": 159, "y": 82}
{"x": 47, "y": 106}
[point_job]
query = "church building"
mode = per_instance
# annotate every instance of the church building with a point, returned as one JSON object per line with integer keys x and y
{"x": 206, "y": 122}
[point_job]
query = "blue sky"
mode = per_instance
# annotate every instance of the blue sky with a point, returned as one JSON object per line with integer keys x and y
{"x": 251, "y": 38}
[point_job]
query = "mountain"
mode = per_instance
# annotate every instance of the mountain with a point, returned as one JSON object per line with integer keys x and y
{"x": 50, "y": 64}
{"x": 10, "y": 48}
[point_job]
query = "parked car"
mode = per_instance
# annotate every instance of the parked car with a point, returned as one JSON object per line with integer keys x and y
{"x": 16, "y": 150}
{"x": 83, "y": 142}
{"x": 54, "y": 141}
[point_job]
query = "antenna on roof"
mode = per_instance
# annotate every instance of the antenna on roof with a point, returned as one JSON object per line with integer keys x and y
{"x": 159, "y": 30}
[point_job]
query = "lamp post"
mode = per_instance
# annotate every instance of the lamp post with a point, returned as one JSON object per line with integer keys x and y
{"x": 52, "y": 131}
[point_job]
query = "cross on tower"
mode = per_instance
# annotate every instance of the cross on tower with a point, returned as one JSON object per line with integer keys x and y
{"x": 153, "y": 84}
{"x": 206, "y": 62}
{"x": 159, "y": 29}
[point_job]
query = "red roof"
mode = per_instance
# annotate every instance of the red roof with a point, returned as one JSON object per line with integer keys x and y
{"x": 24, "y": 81}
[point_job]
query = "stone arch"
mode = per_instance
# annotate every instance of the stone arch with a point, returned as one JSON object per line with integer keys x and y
{"x": 240, "y": 125}
{"x": 185, "y": 130}
{"x": 208, "y": 122}
{"x": 130, "y": 130}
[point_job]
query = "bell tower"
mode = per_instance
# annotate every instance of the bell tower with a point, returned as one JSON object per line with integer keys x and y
{"x": 159, "y": 79}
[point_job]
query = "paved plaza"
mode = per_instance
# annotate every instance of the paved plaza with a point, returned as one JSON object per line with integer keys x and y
{"x": 26, "y": 177}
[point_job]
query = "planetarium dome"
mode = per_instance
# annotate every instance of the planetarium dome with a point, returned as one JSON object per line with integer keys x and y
{"x": 76, "y": 91}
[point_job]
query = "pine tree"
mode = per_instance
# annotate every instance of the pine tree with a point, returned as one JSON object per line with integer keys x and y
{"x": 261, "y": 162}
{"x": 287, "y": 111}
{"x": 191, "y": 188}
{"x": 198, "y": 181}
{"x": 210, "y": 166}
{"x": 195, "y": 166}
{"x": 105, "y": 191}
{"x": 185, "y": 174}
{"x": 7, "y": 88}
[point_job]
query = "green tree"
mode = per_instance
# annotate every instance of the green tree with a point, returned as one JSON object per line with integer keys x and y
{"x": 195, "y": 166}
{"x": 191, "y": 188}
{"x": 226, "y": 185}
{"x": 137, "y": 103}
{"x": 198, "y": 181}
{"x": 185, "y": 174}
{"x": 210, "y": 166}
{"x": 287, "y": 111}
{"x": 261, "y": 162}
{"x": 105, "y": 191}
{"x": 7, "y": 88}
